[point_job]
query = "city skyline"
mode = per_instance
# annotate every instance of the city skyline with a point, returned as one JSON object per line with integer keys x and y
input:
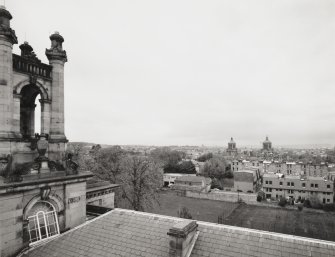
{"x": 158, "y": 73}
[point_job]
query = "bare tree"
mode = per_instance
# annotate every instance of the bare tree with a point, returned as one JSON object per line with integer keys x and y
{"x": 140, "y": 180}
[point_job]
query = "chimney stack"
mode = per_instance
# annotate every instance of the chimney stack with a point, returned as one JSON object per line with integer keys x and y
{"x": 183, "y": 236}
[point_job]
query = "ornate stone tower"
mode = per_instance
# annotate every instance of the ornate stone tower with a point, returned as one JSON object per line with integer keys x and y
{"x": 231, "y": 150}
{"x": 267, "y": 145}
{"x": 41, "y": 191}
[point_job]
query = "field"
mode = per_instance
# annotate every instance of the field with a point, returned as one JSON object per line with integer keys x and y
{"x": 305, "y": 223}
{"x": 205, "y": 210}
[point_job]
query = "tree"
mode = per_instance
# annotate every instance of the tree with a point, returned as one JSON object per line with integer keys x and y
{"x": 205, "y": 157}
{"x": 315, "y": 202}
{"x": 215, "y": 168}
{"x": 105, "y": 163}
{"x": 167, "y": 156}
{"x": 184, "y": 213}
{"x": 282, "y": 202}
{"x": 139, "y": 176}
{"x": 140, "y": 180}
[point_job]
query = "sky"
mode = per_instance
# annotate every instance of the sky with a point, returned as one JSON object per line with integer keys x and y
{"x": 191, "y": 72}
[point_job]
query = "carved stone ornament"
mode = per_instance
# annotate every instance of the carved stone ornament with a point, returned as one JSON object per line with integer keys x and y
{"x": 27, "y": 52}
{"x": 33, "y": 79}
{"x": 4, "y": 162}
{"x": 45, "y": 192}
{"x": 71, "y": 166}
{"x": 42, "y": 145}
{"x": 56, "y": 51}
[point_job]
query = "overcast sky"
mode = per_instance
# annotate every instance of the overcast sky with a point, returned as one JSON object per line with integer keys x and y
{"x": 189, "y": 71}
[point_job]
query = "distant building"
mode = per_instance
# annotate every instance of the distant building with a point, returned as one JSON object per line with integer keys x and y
{"x": 169, "y": 178}
{"x": 192, "y": 183}
{"x": 231, "y": 150}
{"x": 247, "y": 181}
{"x": 267, "y": 145}
{"x": 298, "y": 188}
{"x": 244, "y": 164}
{"x": 286, "y": 168}
{"x": 294, "y": 168}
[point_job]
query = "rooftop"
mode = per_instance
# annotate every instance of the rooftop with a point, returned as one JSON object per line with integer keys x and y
{"x": 191, "y": 179}
{"x": 130, "y": 233}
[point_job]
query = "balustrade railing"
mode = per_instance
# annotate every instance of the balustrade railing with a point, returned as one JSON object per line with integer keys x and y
{"x": 21, "y": 64}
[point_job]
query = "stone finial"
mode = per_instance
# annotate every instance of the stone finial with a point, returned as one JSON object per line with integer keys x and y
{"x": 28, "y": 52}
{"x": 182, "y": 238}
{"x": 56, "y": 51}
{"x": 5, "y": 29}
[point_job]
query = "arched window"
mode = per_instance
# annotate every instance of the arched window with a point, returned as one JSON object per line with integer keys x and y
{"x": 42, "y": 222}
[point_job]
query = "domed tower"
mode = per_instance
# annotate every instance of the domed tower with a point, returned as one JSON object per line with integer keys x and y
{"x": 267, "y": 145}
{"x": 232, "y": 150}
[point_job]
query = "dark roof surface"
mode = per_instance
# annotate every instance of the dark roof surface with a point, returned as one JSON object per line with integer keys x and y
{"x": 129, "y": 233}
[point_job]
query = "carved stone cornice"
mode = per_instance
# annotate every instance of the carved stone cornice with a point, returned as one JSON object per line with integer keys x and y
{"x": 8, "y": 33}
{"x": 55, "y": 54}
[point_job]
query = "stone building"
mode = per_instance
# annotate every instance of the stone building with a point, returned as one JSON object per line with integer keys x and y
{"x": 231, "y": 150}
{"x": 41, "y": 191}
{"x": 267, "y": 145}
{"x": 298, "y": 188}
{"x": 247, "y": 181}
{"x": 296, "y": 168}
{"x": 192, "y": 183}
{"x": 286, "y": 168}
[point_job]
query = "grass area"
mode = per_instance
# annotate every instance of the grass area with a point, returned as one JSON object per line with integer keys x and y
{"x": 306, "y": 223}
{"x": 300, "y": 223}
{"x": 205, "y": 210}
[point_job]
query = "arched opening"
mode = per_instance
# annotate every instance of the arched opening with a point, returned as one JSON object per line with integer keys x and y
{"x": 42, "y": 221}
{"x": 38, "y": 113}
{"x": 30, "y": 116}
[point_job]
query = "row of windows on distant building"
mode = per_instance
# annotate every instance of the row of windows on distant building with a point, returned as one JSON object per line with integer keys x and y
{"x": 292, "y": 184}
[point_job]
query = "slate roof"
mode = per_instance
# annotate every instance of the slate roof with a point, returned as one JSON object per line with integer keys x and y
{"x": 130, "y": 233}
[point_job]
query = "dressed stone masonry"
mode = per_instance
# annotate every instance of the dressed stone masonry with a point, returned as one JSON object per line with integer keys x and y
{"x": 42, "y": 193}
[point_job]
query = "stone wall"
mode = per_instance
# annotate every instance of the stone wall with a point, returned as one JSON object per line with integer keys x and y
{"x": 224, "y": 196}
{"x": 105, "y": 200}
{"x": 11, "y": 223}
{"x": 75, "y": 204}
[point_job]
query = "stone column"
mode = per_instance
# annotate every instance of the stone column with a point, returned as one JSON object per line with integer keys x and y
{"x": 57, "y": 58}
{"x": 45, "y": 116}
{"x": 7, "y": 39}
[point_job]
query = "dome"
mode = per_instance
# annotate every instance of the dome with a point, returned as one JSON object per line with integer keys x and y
{"x": 267, "y": 140}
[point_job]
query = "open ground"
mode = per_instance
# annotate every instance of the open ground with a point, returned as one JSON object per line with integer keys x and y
{"x": 200, "y": 209}
{"x": 306, "y": 223}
